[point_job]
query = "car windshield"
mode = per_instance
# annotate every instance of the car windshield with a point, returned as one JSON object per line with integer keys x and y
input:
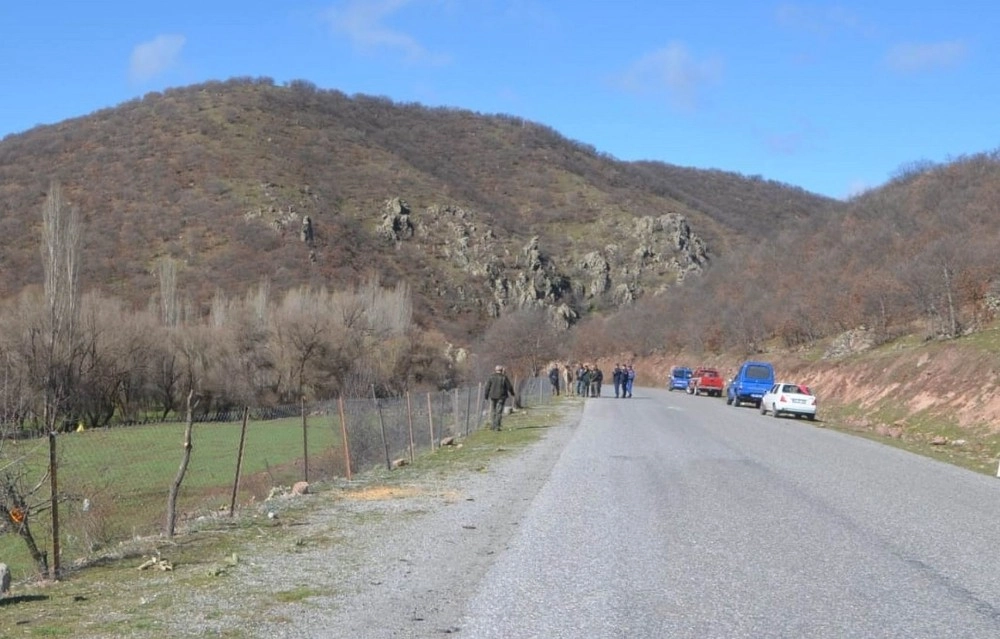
{"x": 682, "y": 372}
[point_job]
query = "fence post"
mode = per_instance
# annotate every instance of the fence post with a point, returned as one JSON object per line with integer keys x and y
{"x": 430, "y": 418}
{"x": 468, "y": 408}
{"x": 480, "y": 401}
{"x": 343, "y": 433}
{"x": 381, "y": 426}
{"x": 305, "y": 440}
{"x": 54, "y": 486}
{"x": 454, "y": 409}
{"x": 409, "y": 422}
{"x": 239, "y": 460}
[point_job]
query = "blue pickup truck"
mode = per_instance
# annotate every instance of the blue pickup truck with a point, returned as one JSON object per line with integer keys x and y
{"x": 751, "y": 381}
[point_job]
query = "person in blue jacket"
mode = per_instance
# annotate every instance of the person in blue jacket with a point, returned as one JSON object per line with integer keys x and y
{"x": 629, "y": 380}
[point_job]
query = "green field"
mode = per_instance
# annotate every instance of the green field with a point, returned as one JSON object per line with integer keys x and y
{"x": 114, "y": 482}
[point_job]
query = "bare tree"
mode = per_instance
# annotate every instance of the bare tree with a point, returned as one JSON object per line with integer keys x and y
{"x": 175, "y": 486}
{"x": 61, "y": 239}
{"x": 166, "y": 270}
{"x": 524, "y": 341}
{"x": 49, "y": 349}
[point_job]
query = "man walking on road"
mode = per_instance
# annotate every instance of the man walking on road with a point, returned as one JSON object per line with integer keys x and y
{"x": 498, "y": 389}
{"x": 616, "y": 375}
{"x": 628, "y": 380}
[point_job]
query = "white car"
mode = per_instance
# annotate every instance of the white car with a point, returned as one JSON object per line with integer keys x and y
{"x": 789, "y": 398}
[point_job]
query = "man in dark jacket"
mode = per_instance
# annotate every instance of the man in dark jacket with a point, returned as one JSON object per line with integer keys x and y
{"x": 617, "y": 375}
{"x": 498, "y": 389}
{"x": 554, "y": 379}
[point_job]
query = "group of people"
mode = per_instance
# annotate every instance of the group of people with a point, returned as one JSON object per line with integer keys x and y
{"x": 624, "y": 376}
{"x": 587, "y": 380}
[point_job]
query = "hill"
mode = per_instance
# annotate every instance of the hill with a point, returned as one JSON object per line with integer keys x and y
{"x": 478, "y": 213}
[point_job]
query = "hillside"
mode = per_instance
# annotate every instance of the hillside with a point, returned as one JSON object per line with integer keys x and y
{"x": 503, "y": 213}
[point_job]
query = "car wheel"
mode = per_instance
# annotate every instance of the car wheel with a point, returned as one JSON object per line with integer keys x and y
{"x": 763, "y": 409}
{"x": 811, "y": 418}
{"x": 729, "y": 400}
{"x": 736, "y": 402}
{"x": 776, "y": 411}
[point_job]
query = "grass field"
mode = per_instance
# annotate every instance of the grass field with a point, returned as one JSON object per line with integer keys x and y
{"x": 114, "y": 482}
{"x": 112, "y": 598}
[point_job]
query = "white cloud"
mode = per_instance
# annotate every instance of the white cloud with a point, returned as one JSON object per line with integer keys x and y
{"x": 821, "y": 20}
{"x": 676, "y": 72}
{"x": 153, "y": 58}
{"x": 364, "y": 24}
{"x": 928, "y": 56}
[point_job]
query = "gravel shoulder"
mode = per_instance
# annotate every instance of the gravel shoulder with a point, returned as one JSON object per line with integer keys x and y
{"x": 382, "y": 557}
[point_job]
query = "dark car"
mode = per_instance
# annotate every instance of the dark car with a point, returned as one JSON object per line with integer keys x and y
{"x": 679, "y": 377}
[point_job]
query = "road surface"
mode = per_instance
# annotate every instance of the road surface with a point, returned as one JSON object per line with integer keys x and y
{"x": 668, "y": 515}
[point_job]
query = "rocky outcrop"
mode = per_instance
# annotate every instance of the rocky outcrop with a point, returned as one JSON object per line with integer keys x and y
{"x": 668, "y": 241}
{"x": 396, "y": 225}
{"x": 646, "y": 254}
{"x": 596, "y": 275}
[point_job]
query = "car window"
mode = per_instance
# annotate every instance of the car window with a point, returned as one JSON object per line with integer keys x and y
{"x": 790, "y": 388}
{"x": 757, "y": 372}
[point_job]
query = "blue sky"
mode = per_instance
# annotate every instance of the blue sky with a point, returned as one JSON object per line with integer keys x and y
{"x": 832, "y": 97}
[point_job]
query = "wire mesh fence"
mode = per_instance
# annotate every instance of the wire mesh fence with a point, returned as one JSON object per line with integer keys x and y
{"x": 112, "y": 483}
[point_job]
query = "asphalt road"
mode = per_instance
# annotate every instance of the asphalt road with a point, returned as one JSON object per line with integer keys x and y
{"x": 668, "y": 515}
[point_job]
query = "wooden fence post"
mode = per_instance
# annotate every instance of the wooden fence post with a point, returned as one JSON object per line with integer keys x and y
{"x": 381, "y": 425}
{"x": 239, "y": 460}
{"x": 54, "y": 486}
{"x": 305, "y": 440}
{"x": 430, "y": 418}
{"x": 343, "y": 434}
{"x": 468, "y": 409}
{"x": 482, "y": 400}
{"x": 409, "y": 422}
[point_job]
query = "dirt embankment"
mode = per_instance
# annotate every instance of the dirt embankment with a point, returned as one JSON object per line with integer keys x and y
{"x": 952, "y": 387}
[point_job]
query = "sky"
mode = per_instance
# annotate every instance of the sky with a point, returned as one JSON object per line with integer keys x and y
{"x": 835, "y": 98}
